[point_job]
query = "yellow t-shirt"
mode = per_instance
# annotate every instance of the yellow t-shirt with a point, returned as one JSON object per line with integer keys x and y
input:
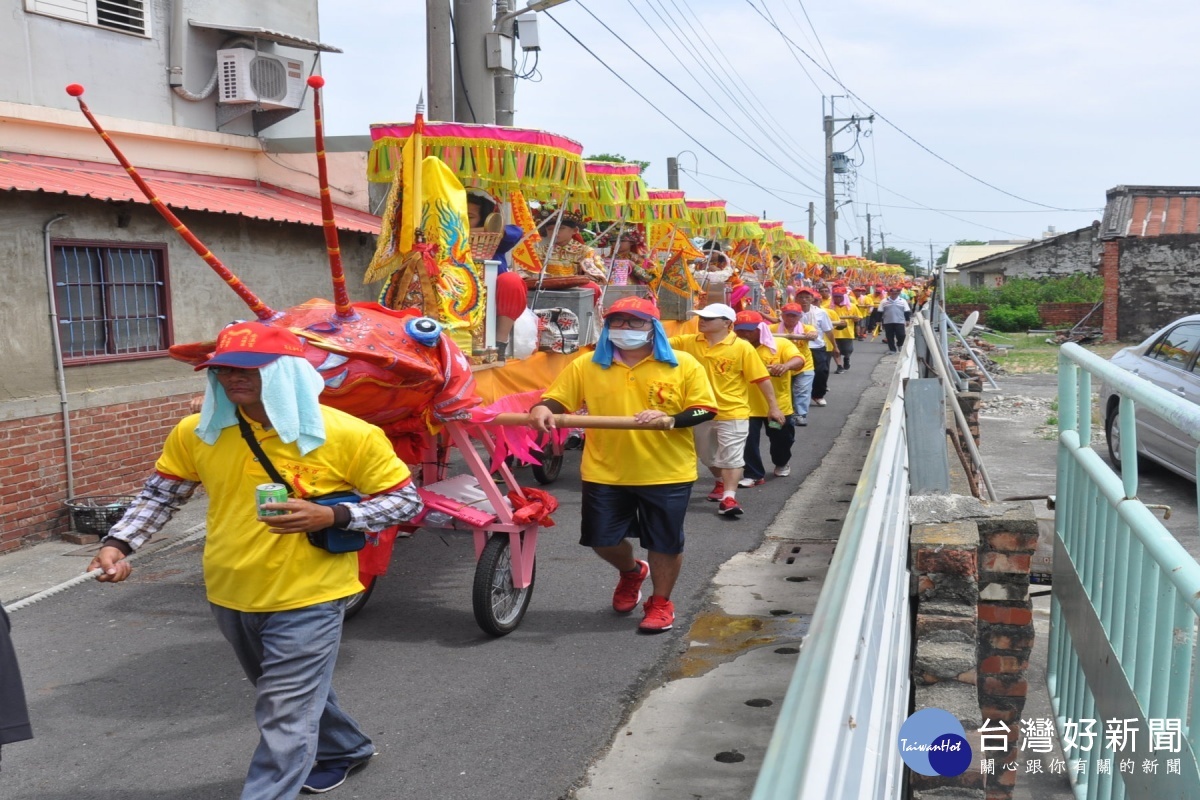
{"x": 633, "y": 457}
{"x": 801, "y": 345}
{"x": 841, "y": 314}
{"x": 248, "y": 568}
{"x": 785, "y": 350}
{"x": 732, "y": 365}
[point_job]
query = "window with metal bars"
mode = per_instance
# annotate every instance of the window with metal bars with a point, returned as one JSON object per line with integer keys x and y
{"x": 127, "y": 16}
{"x": 112, "y": 300}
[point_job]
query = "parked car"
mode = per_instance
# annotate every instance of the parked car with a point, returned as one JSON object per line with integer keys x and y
{"x": 1167, "y": 359}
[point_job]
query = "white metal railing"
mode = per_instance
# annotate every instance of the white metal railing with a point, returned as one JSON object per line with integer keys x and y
{"x": 838, "y": 725}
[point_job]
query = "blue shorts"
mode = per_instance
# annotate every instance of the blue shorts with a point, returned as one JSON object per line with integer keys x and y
{"x": 654, "y": 514}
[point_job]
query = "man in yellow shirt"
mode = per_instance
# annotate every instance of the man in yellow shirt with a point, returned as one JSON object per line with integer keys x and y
{"x": 732, "y": 366}
{"x": 635, "y": 482}
{"x": 781, "y": 358}
{"x": 278, "y": 598}
{"x": 843, "y": 334}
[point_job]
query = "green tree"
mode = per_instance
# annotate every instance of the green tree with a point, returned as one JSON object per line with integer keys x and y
{"x": 618, "y": 159}
{"x": 902, "y": 258}
{"x": 945, "y": 256}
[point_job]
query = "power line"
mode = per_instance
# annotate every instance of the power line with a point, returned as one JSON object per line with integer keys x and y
{"x": 681, "y": 129}
{"x": 732, "y": 118}
{"x": 898, "y": 129}
{"x": 736, "y": 97}
{"x": 764, "y": 113}
{"x": 689, "y": 98}
{"x": 793, "y": 55}
{"x": 816, "y": 35}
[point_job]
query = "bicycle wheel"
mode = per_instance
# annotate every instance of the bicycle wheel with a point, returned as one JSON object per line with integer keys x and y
{"x": 499, "y": 606}
{"x": 547, "y": 471}
{"x": 355, "y": 602}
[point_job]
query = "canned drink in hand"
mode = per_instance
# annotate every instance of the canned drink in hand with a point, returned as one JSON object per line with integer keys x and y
{"x": 269, "y": 493}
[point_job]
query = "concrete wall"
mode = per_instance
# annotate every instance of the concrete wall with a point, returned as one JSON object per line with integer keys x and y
{"x": 126, "y": 75}
{"x": 1158, "y": 282}
{"x": 283, "y": 263}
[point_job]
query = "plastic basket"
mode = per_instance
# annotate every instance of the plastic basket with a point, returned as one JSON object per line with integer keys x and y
{"x": 98, "y": 513}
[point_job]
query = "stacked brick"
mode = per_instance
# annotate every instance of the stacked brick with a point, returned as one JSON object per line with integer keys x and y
{"x": 1006, "y": 547}
{"x": 114, "y": 447}
{"x": 974, "y": 634}
{"x": 1110, "y": 270}
{"x": 945, "y": 568}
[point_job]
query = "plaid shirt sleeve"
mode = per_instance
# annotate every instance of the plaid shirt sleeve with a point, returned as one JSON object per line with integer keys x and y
{"x": 160, "y": 498}
{"x": 384, "y": 510}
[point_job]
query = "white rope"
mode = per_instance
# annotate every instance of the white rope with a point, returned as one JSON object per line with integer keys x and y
{"x": 194, "y": 532}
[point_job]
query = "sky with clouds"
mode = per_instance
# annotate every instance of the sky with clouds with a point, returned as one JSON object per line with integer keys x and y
{"x": 1049, "y": 101}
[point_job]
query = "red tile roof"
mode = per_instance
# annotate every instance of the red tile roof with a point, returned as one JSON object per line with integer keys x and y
{"x": 179, "y": 190}
{"x": 1145, "y": 211}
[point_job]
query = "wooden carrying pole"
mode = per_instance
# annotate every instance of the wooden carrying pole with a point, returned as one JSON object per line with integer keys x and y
{"x": 589, "y": 421}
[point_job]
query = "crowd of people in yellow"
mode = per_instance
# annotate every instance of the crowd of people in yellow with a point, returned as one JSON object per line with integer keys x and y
{"x": 280, "y": 599}
{"x": 739, "y": 375}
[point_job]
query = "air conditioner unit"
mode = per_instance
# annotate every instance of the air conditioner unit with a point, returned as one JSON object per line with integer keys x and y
{"x": 271, "y": 81}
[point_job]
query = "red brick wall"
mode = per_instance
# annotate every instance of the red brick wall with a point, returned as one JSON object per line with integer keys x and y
{"x": 1059, "y": 315}
{"x": 1110, "y": 264}
{"x": 115, "y": 447}
{"x": 960, "y": 311}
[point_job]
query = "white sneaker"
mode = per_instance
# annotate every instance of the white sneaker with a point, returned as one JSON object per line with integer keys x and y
{"x": 746, "y": 483}
{"x": 784, "y": 471}
{"x": 819, "y": 402}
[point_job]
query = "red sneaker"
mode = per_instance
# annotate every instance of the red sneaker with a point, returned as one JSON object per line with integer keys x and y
{"x": 629, "y": 589}
{"x": 729, "y": 508}
{"x": 717, "y": 493}
{"x": 660, "y": 615}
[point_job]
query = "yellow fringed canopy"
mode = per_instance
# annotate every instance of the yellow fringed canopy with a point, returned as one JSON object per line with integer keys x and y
{"x": 615, "y": 190}
{"x": 541, "y": 165}
{"x": 707, "y": 216}
{"x": 742, "y": 227}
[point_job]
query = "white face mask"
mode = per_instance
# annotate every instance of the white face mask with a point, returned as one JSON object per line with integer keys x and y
{"x": 627, "y": 339}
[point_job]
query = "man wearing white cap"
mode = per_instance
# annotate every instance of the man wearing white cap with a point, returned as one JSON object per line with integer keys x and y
{"x": 732, "y": 365}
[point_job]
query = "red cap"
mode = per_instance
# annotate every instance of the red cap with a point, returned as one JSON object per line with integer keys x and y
{"x": 638, "y": 307}
{"x": 837, "y": 289}
{"x": 796, "y": 308}
{"x": 747, "y": 321}
{"x": 250, "y": 345}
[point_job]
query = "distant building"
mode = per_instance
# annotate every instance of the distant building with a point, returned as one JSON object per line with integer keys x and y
{"x": 1056, "y": 255}
{"x": 186, "y": 96}
{"x": 959, "y": 254}
{"x": 1150, "y": 261}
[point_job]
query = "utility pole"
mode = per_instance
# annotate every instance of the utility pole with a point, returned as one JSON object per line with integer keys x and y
{"x": 812, "y": 222}
{"x": 830, "y": 210}
{"x": 868, "y": 253}
{"x": 672, "y": 172}
{"x": 930, "y": 270}
{"x": 439, "y": 60}
{"x": 882, "y": 245}
{"x": 830, "y": 120}
{"x": 505, "y": 80}
{"x": 862, "y": 250}
{"x": 845, "y": 247}
{"x": 474, "y": 88}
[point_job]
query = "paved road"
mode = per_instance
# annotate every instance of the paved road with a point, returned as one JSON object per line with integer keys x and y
{"x": 135, "y": 695}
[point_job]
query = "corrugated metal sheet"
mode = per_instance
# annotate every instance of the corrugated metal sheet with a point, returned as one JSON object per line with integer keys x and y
{"x": 179, "y": 190}
{"x": 1148, "y": 211}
